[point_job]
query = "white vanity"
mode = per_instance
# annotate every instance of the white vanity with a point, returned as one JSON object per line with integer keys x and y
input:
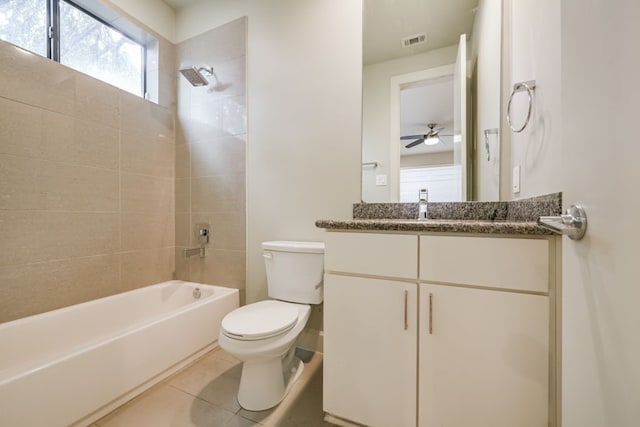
{"x": 440, "y": 329}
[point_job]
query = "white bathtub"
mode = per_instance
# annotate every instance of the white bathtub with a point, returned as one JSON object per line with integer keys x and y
{"x": 74, "y": 365}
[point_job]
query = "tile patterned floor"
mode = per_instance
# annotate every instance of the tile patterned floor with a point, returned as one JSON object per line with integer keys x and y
{"x": 204, "y": 394}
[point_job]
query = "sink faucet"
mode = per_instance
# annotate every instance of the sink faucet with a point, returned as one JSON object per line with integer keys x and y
{"x": 422, "y": 204}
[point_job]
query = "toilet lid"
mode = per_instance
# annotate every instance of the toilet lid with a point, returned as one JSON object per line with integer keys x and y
{"x": 260, "y": 320}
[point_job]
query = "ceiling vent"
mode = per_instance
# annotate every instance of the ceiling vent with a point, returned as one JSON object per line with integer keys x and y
{"x": 414, "y": 40}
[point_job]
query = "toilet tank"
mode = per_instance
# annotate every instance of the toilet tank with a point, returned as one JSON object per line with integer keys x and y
{"x": 295, "y": 270}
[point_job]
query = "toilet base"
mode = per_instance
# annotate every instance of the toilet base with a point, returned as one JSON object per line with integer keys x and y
{"x": 265, "y": 383}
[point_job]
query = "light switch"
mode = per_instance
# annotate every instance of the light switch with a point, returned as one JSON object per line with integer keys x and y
{"x": 381, "y": 180}
{"x": 515, "y": 179}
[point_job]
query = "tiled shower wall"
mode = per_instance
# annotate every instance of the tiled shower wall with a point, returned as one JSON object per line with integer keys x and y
{"x": 86, "y": 187}
{"x": 210, "y": 157}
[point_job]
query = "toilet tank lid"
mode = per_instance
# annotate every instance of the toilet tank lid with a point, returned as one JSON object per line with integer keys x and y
{"x": 290, "y": 246}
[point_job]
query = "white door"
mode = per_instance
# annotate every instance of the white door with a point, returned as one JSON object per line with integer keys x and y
{"x": 600, "y": 273}
{"x": 370, "y": 355}
{"x": 460, "y": 85}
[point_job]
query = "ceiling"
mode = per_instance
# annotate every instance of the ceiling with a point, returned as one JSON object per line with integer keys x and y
{"x": 386, "y": 22}
{"x": 178, "y": 4}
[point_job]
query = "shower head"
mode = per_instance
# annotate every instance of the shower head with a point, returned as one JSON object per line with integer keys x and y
{"x": 195, "y": 75}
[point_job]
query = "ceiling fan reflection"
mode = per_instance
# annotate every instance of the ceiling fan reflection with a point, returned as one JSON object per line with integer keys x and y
{"x": 432, "y": 137}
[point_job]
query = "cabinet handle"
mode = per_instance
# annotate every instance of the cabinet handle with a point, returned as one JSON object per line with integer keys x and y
{"x": 430, "y": 314}
{"x": 406, "y": 316}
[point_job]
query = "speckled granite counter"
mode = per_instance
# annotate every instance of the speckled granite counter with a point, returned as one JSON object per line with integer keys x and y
{"x": 436, "y": 225}
{"x": 514, "y": 217}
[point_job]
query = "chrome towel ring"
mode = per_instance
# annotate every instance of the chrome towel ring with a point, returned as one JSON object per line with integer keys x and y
{"x": 529, "y": 86}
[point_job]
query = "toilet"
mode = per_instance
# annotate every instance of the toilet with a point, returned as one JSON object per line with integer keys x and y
{"x": 263, "y": 335}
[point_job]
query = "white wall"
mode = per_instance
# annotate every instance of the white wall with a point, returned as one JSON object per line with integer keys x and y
{"x": 535, "y": 55}
{"x": 304, "y": 68}
{"x": 375, "y": 112}
{"x": 153, "y": 13}
{"x": 485, "y": 42}
{"x": 601, "y": 345}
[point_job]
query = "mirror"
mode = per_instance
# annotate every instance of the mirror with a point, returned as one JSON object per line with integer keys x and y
{"x": 412, "y": 94}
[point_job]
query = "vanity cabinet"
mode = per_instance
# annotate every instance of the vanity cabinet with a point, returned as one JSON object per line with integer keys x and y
{"x": 370, "y": 357}
{"x": 370, "y": 325}
{"x": 460, "y": 335}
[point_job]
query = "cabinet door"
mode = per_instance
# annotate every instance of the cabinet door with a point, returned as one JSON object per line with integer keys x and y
{"x": 370, "y": 357}
{"x": 485, "y": 361}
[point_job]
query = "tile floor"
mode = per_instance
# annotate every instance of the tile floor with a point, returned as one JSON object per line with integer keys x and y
{"x": 204, "y": 394}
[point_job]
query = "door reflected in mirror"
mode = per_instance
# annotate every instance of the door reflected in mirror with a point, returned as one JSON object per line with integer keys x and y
{"x": 414, "y": 135}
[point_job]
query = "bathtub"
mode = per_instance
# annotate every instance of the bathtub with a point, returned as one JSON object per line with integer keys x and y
{"x": 74, "y": 365}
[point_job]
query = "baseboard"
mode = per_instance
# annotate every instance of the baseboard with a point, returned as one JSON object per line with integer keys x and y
{"x": 340, "y": 422}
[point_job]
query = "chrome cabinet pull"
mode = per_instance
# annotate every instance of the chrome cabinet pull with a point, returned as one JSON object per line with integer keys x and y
{"x": 430, "y": 314}
{"x": 406, "y": 306}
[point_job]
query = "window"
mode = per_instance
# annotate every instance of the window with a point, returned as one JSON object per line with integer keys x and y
{"x": 442, "y": 182}
{"x": 24, "y": 23}
{"x": 64, "y": 31}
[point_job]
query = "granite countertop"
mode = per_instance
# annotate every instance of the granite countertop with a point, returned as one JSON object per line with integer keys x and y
{"x": 436, "y": 225}
{"x": 512, "y": 217}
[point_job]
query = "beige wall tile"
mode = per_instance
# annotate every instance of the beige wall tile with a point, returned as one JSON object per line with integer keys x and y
{"x": 183, "y": 195}
{"x": 180, "y": 136}
{"x": 167, "y": 57}
{"x": 147, "y": 153}
{"x": 97, "y": 101}
{"x": 218, "y": 193}
{"x": 227, "y": 229}
{"x": 137, "y": 113}
{"x": 21, "y": 129}
{"x": 182, "y": 265}
{"x": 182, "y": 161}
{"x": 222, "y": 156}
{"x": 35, "y": 80}
{"x": 234, "y": 115}
{"x": 143, "y": 268}
{"x": 147, "y": 230}
{"x": 94, "y": 144}
{"x": 184, "y": 230}
{"x": 30, "y": 184}
{"x": 34, "y": 132}
{"x": 203, "y": 122}
{"x": 146, "y": 194}
{"x": 65, "y": 165}
{"x": 220, "y": 267}
{"x": 30, "y": 237}
{"x": 215, "y": 46}
{"x": 35, "y": 288}
{"x": 167, "y": 91}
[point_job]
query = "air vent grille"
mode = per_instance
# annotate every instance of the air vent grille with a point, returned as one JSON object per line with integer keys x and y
{"x": 415, "y": 39}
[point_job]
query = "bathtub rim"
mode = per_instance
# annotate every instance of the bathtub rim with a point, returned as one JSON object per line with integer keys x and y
{"x": 24, "y": 369}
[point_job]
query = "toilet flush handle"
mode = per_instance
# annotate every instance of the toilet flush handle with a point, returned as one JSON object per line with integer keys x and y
{"x": 267, "y": 255}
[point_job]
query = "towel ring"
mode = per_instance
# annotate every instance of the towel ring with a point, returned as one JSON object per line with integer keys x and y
{"x": 520, "y": 87}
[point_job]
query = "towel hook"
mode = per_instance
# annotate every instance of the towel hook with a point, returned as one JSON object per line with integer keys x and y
{"x": 487, "y": 147}
{"x": 529, "y": 86}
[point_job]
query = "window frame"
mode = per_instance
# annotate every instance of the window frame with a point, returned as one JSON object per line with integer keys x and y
{"x": 53, "y": 36}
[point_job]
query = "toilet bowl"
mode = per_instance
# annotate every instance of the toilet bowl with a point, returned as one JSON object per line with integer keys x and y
{"x": 269, "y": 366}
{"x": 262, "y": 335}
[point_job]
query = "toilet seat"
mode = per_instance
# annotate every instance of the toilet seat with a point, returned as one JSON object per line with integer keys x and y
{"x": 260, "y": 320}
